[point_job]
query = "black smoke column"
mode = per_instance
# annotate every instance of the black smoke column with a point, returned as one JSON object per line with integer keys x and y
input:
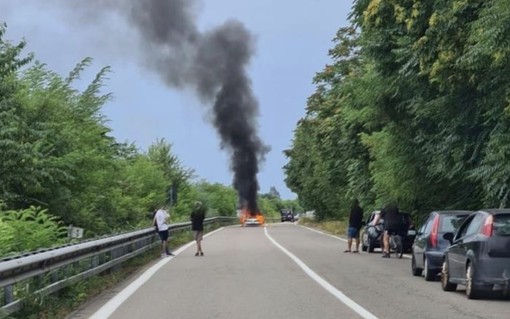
{"x": 214, "y": 64}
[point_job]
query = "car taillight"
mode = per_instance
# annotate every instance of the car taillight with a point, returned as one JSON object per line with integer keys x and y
{"x": 488, "y": 226}
{"x": 433, "y": 234}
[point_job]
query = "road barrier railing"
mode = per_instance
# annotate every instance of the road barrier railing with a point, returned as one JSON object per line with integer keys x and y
{"x": 46, "y": 271}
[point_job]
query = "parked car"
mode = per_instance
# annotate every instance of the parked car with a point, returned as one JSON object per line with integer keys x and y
{"x": 371, "y": 236}
{"x": 429, "y": 244}
{"x": 479, "y": 254}
{"x": 287, "y": 215}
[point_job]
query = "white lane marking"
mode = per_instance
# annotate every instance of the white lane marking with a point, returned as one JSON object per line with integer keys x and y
{"x": 340, "y": 238}
{"x": 326, "y": 285}
{"x": 113, "y": 304}
{"x": 323, "y": 233}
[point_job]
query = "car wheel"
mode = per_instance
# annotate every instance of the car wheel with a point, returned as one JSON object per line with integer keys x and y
{"x": 364, "y": 247}
{"x": 416, "y": 271}
{"x": 370, "y": 246}
{"x": 472, "y": 291}
{"x": 505, "y": 293}
{"x": 429, "y": 274}
{"x": 445, "y": 278}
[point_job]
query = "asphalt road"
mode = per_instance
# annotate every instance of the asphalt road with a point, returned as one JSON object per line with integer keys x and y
{"x": 284, "y": 271}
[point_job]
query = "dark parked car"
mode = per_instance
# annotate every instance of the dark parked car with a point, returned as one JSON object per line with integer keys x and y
{"x": 371, "y": 237}
{"x": 479, "y": 255}
{"x": 429, "y": 244}
{"x": 287, "y": 215}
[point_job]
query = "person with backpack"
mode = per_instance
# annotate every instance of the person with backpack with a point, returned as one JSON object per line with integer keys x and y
{"x": 160, "y": 221}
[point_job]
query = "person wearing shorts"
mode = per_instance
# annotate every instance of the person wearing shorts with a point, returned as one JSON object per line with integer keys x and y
{"x": 197, "y": 225}
{"x": 160, "y": 220}
{"x": 392, "y": 225}
{"x": 353, "y": 231}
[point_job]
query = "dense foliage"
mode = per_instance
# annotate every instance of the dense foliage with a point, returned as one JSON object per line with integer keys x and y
{"x": 413, "y": 109}
{"x": 60, "y": 165}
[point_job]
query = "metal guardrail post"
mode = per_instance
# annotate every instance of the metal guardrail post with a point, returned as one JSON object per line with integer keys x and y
{"x": 8, "y": 294}
{"x": 54, "y": 276}
{"x": 59, "y": 267}
{"x": 94, "y": 261}
{"x": 114, "y": 255}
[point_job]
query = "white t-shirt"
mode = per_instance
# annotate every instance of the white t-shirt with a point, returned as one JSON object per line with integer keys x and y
{"x": 161, "y": 219}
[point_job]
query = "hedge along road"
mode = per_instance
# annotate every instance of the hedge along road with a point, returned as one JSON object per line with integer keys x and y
{"x": 286, "y": 271}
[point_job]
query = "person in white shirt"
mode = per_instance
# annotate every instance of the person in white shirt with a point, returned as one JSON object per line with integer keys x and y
{"x": 160, "y": 220}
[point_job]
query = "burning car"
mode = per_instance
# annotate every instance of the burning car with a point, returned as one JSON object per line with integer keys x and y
{"x": 249, "y": 219}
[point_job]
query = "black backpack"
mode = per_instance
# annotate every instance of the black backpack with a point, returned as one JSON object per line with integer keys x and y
{"x": 154, "y": 222}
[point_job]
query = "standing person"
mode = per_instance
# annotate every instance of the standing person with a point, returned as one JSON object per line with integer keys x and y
{"x": 197, "y": 225}
{"x": 160, "y": 220}
{"x": 392, "y": 225}
{"x": 355, "y": 222}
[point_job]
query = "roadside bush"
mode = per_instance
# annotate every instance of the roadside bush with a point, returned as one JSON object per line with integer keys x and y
{"x": 28, "y": 230}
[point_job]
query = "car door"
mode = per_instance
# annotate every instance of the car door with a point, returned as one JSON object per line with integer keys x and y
{"x": 471, "y": 241}
{"x": 457, "y": 253}
{"x": 364, "y": 234}
{"x": 420, "y": 243}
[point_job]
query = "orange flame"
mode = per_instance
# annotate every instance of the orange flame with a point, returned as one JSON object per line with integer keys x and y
{"x": 245, "y": 214}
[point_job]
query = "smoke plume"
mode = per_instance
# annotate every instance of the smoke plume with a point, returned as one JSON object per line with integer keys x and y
{"x": 213, "y": 64}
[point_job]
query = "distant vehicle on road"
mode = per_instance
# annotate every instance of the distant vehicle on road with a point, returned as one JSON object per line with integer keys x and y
{"x": 479, "y": 255}
{"x": 429, "y": 244}
{"x": 371, "y": 235}
{"x": 287, "y": 215}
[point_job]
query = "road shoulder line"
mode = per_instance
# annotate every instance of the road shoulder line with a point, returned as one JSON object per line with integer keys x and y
{"x": 321, "y": 281}
{"x": 113, "y": 304}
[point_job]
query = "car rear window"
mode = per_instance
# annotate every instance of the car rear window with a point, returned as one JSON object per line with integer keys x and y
{"x": 502, "y": 225}
{"x": 450, "y": 223}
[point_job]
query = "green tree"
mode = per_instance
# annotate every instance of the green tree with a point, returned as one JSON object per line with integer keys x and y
{"x": 220, "y": 199}
{"x": 177, "y": 176}
{"x": 413, "y": 109}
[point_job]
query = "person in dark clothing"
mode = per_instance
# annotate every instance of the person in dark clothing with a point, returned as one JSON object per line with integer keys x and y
{"x": 197, "y": 225}
{"x": 353, "y": 231}
{"x": 393, "y": 224}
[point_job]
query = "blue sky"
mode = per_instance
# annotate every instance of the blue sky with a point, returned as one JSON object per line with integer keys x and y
{"x": 292, "y": 42}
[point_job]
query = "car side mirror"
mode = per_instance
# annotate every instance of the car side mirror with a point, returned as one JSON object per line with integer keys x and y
{"x": 448, "y": 237}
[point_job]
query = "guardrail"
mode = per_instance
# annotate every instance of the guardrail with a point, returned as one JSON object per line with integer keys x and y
{"x": 49, "y": 270}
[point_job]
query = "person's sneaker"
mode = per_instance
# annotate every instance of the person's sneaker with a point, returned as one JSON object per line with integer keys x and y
{"x": 170, "y": 254}
{"x": 201, "y": 253}
{"x": 196, "y": 254}
{"x": 385, "y": 255}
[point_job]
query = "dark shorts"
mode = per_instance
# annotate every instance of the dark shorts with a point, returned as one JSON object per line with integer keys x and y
{"x": 394, "y": 231}
{"x": 353, "y": 232}
{"x": 163, "y": 235}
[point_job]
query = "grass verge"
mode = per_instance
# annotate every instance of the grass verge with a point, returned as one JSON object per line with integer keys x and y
{"x": 334, "y": 227}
